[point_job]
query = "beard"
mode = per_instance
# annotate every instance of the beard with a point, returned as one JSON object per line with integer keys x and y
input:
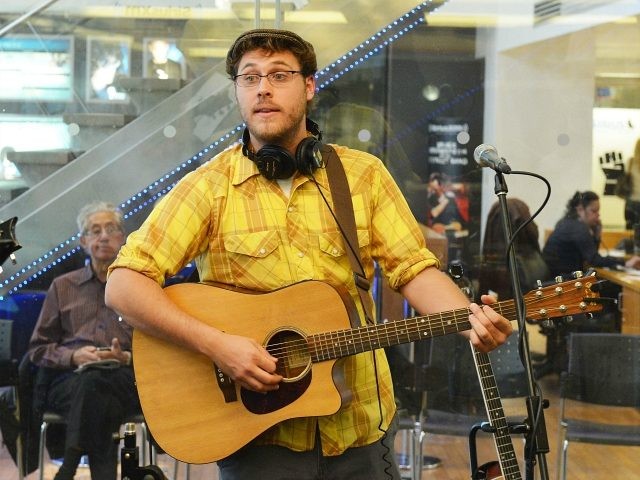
{"x": 281, "y": 130}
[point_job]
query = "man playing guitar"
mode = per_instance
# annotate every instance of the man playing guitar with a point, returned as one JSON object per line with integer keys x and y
{"x": 256, "y": 217}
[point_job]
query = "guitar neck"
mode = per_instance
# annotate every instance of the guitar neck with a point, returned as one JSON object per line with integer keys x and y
{"x": 341, "y": 343}
{"x": 493, "y": 404}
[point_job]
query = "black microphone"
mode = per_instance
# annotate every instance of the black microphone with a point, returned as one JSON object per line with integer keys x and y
{"x": 487, "y": 156}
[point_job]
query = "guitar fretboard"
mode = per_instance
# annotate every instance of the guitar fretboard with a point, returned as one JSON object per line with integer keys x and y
{"x": 506, "y": 453}
{"x": 341, "y": 343}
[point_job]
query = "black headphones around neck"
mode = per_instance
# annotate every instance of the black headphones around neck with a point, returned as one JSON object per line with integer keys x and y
{"x": 275, "y": 163}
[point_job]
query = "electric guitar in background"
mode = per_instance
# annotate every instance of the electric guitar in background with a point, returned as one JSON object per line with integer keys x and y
{"x": 506, "y": 467}
{"x": 197, "y": 414}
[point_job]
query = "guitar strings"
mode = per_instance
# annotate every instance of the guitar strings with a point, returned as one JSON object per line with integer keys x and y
{"x": 327, "y": 340}
{"x": 495, "y": 413}
{"x": 324, "y": 343}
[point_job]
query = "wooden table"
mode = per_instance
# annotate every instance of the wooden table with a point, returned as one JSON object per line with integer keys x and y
{"x": 630, "y": 300}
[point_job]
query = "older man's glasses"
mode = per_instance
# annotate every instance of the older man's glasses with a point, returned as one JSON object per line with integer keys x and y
{"x": 276, "y": 79}
{"x": 108, "y": 230}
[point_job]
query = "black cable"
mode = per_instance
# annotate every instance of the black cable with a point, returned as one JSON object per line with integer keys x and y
{"x": 521, "y": 329}
{"x": 385, "y": 458}
{"x": 535, "y": 214}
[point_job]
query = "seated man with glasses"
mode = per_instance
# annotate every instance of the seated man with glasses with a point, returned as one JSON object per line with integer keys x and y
{"x": 76, "y": 329}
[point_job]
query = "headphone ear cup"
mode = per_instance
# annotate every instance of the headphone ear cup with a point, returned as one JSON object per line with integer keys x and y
{"x": 308, "y": 156}
{"x": 274, "y": 162}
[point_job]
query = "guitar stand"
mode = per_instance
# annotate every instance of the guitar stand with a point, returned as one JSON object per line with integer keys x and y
{"x": 490, "y": 469}
{"x": 130, "y": 459}
{"x": 414, "y": 461}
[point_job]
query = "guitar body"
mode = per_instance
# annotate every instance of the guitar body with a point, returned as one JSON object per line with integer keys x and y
{"x": 182, "y": 401}
{"x": 489, "y": 471}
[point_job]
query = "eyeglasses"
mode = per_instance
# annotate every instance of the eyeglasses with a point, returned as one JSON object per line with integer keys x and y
{"x": 108, "y": 230}
{"x": 276, "y": 79}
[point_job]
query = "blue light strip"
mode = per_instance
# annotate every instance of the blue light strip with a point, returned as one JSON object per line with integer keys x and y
{"x": 372, "y": 46}
{"x": 152, "y": 193}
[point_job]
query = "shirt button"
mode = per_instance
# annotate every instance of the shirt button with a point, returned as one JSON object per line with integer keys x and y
{"x": 300, "y": 254}
{"x": 334, "y": 251}
{"x": 262, "y": 251}
{"x": 292, "y": 209}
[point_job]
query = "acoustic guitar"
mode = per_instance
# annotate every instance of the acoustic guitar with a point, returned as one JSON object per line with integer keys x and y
{"x": 198, "y": 415}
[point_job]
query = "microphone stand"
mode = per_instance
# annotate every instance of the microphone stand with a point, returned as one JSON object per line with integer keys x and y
{"x": 536, "y": 441}
{"x": 130, "y": 459}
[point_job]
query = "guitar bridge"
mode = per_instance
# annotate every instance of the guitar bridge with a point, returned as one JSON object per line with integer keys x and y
{"x": 226, "y": 384}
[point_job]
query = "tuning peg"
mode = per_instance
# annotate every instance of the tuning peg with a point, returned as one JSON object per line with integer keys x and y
{"x": 539, "y": 283}
{"x": 598, "y": 285}
{"x": 558, "y": 279}
{"x": 604, "y": 300}
{"x": 578, "y": 274}
{"x": 548, "y": 324}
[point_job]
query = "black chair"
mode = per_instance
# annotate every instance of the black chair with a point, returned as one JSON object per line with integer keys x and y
{"x": 603, "y": 369}
{"x": 148, "y": 446}
{"x": 51, "y": 418}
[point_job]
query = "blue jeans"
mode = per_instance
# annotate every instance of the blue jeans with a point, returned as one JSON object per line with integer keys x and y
{"x": 372, "y": 462}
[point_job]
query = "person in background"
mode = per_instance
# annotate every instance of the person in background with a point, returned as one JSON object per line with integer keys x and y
{"x": 263, "y": 229}
{"x": 632, "y": 202}
{"x": 160, "y": 65}
{"x": 76, "y": 329}
{"x": 107, "y": 65}
{"x": 444, "y": 213}
{"x": 573, "y": 244}
{"x": 493, "y": 269}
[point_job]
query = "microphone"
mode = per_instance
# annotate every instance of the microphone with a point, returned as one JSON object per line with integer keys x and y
{"x": 487, "y": 156}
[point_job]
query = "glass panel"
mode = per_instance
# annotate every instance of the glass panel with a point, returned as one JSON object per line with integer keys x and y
{"x": 119, "y": 100}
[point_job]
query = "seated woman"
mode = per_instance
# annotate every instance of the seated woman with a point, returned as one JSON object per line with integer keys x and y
{"x": 531, "y": 266}
{"x": 573, "y": 244}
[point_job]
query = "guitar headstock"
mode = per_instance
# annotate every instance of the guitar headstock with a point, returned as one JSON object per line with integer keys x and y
{"x": 564, "y": 298}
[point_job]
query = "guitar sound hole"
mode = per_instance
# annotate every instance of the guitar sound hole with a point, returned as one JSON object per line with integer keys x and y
{"x": 292, "y": 352}
{"x": 294, "y": 364}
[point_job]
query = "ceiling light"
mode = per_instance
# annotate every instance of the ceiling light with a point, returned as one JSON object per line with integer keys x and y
{"x": 618, "y": 75}
{"x": 284, "y": 4}
{"x": 316, "y": 16}
{"x": 186, "y": 13}
{"x": 436, "y": 19}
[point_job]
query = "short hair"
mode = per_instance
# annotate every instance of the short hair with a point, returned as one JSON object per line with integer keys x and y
{"x": 95, "y": 207}
{"x": 272, "y": 40}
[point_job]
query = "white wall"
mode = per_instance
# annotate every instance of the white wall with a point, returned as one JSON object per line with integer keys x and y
{"x": 539, "y": 106}
{"x": 614, "y": 130}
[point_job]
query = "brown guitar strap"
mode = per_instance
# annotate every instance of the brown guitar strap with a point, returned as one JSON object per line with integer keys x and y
{"x": 347, "y": 222}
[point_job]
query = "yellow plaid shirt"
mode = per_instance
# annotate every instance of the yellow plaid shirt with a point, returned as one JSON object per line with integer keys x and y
{"x": 243, "y": 230}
